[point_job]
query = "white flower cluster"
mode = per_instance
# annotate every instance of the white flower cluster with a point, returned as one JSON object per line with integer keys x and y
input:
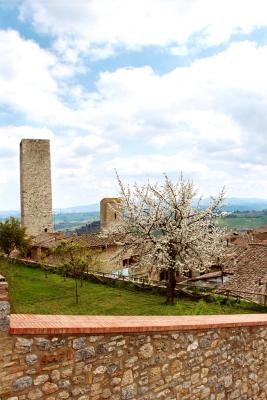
{"x": 162, "y": 228}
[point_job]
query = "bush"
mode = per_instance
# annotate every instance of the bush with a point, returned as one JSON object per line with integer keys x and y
{"x": 13, "y": 237}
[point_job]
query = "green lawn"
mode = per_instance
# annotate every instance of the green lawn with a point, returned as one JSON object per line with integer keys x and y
{"x": 31, "y": 292}
{"x": 243, "y": 222}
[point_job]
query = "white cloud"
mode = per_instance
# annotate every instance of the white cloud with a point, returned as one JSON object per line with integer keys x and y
{"x": 209, "y": 179}
{"x": 32, "y": 79}
{"x": 199, "y": 104}
{"x": 207, "y": 119}
{"x": 154, "y": 164}
{"x": 74, "y": 164}
{"x": 100, "y": 27}
{"x": 206, "y": 110}
{"x": 10, "y": 137}
{"x": 179, "y": 50}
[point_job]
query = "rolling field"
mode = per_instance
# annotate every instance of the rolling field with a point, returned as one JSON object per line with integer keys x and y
{"x": 240, "y": 223}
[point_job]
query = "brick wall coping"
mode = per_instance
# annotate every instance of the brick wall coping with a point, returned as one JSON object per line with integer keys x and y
{"x": 70, "y": 324}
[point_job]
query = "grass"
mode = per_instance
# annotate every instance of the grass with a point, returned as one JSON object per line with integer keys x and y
{"x": 244, "y": 222}
{"x": 30, "y": 292}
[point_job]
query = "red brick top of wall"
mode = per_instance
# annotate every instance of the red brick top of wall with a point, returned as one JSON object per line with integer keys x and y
{"x": 65, "y": 324}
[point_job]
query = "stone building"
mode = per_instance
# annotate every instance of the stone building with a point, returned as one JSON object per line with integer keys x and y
{"x": 110, "y": 211}
{"x": 104, "y": 248}
{"x": 35, "y": 186}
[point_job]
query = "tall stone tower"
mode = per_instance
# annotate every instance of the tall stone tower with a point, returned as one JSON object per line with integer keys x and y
{"x": 35, "y": 186}
{"x": 110, "y": 211}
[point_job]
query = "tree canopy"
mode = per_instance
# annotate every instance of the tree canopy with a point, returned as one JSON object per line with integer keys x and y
{"x": 162, "y": 227}
{"x": 13, "y": 236}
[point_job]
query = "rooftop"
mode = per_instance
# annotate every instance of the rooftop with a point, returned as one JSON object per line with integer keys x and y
{"x": 248, "y": 268}
{"x": 92, "y": 240}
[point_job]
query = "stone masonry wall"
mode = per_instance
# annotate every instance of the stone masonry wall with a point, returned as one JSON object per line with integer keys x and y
{"x": 192, "y": 364}
{"x": 35, "y": 186}
{"x": 212, "y": 364}
{"x": 110, "y": 211}
{"x": 4, "y": 309}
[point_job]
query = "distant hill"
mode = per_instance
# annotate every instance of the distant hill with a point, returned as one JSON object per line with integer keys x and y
{"x": 73, "y": 220}
{"x": 231, "y": 204}
{"x": 78, "y": 209}
{"x": 90, "y": 208}
{"x": 239, "y": 204}
{"x": 92, "y": 227}
{"x": 245, "y": 204}
{"x": 6, "y": 214}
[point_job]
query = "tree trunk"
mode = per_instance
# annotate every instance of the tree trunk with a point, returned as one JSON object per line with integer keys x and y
{"x": 171, "y": 286}
{"x": 76, "y": 291}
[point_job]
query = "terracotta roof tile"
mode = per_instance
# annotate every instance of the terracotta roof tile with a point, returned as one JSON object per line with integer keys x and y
{"x": 248, "y": 266}
{"x": 90, "y": 240}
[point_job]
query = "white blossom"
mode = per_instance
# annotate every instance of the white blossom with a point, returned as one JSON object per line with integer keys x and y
{"x": 162, "y": 227}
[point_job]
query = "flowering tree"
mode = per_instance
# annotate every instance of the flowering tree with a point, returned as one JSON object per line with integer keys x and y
{"x": 162, "y": 227}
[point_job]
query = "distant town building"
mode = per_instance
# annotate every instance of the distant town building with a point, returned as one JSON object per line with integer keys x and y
{"x": 35, "y": 186}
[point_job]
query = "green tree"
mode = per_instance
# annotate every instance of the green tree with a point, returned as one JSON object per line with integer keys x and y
{"x": 74, "y": 261}
{"x": 44, "y": 263}
{"x": 13, "y": 237}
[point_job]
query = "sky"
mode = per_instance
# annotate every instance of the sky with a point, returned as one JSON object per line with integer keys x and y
{"x": 145, "y": 87}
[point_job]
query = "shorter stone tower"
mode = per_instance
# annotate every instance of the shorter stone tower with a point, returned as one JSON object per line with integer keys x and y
{"x": 35, "y": 186}
{"x": 110, "y": 211}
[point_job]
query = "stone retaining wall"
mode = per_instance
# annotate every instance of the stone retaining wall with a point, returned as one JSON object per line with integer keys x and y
{"x": 4, "y": 310}
{"x": 216, "y": 362}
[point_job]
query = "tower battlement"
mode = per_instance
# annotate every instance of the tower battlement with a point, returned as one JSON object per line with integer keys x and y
{"x": 110, "y": 211}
